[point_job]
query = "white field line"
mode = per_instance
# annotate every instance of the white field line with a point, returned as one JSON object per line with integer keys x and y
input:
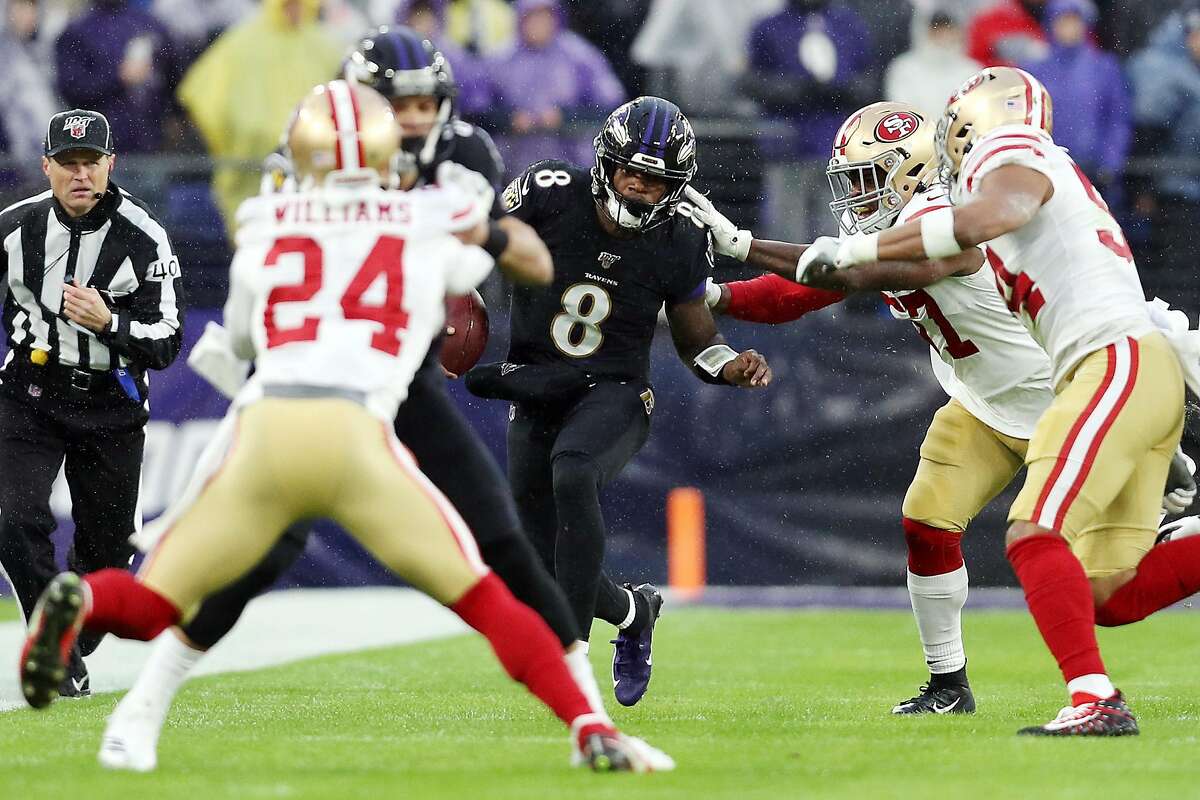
{"x": 277, "y": 628}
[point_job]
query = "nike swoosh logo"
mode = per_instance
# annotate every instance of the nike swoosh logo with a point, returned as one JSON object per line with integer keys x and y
{"x": 945, "y": 709}
{"x": 648, "y": 661}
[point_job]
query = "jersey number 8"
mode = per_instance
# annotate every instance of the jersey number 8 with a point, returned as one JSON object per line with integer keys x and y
{"x": 576, "y": 330}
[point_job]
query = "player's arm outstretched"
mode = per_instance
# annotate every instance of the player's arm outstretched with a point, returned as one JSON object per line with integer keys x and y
{"x": 1007, "y": 199}
{"x": 782, "y": 259}
{"x": 702, "y": 347}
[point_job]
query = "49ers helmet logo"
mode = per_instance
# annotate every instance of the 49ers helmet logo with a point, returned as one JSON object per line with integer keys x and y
{"x": 77, "y": 126}
{"x": 895, "y": 127}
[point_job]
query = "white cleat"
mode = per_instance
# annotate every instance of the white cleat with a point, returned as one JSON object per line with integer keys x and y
{"x": 620, "y": 753}
{"x": 130, "y": 739}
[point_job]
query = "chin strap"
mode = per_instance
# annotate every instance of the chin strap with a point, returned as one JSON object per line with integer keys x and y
{"x": 429, "y": 149}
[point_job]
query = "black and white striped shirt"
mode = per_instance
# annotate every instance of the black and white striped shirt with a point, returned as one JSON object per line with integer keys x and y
{"x": 118, "y": 248}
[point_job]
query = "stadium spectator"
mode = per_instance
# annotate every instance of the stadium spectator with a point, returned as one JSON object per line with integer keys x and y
{"x": 805, "y": 65}
{"x": 552, "y": 76}
{"x": 933, "y": 69}
{"x": 1166, "y": 83}
{"x": 1125, "y": 28}
{"x": 1091, "y": 96}
{"x": 612, "y": 25}
{"x": 241, "y": 91}
{"x": 484, "y": 27}
{"x": 700, "y": 47}
{"x": 1008, "y": 33}
{"x": 194, "y": 25}
{"x": 27, "y": 96}
{"x": 428, "y": 17}
{"x": 119, "y": 59}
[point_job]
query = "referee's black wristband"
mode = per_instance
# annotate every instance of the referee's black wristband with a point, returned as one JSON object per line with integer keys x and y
{"x": 497, "y": 240}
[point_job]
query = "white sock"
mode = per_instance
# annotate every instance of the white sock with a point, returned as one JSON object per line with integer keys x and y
{"x": 632, "y": 615}
{"x": 1096, "y": 684}
{"x": 167, "y": 668}
{"x": 937, "y": 602}
{"x": 581, "y": 670}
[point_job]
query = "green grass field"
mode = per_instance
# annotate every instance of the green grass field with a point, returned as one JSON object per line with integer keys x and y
{"x": 752, "y": 704}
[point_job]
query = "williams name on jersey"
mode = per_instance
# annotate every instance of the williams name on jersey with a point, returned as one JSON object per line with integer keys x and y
{"x": 602, "y": 310}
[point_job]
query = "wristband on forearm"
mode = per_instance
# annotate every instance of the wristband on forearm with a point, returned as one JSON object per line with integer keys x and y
{"x": 497, "y": 240}
{"x": 710, "y": 362}
{"x": 937, "y": 234}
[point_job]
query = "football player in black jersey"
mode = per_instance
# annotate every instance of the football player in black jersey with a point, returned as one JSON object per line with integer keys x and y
{"x": 577, "y": 370}
{"x": 408, "y": 70}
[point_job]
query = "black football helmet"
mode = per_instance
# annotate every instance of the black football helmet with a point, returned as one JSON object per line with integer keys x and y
{"x": 648, "y": 135}
{"x": 397, "y": 61}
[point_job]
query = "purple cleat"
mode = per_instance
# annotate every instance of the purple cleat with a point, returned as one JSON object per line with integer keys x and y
{"x": 631, "y": 658}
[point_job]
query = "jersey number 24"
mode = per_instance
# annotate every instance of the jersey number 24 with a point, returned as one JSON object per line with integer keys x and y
{"x": 384, "y": 259}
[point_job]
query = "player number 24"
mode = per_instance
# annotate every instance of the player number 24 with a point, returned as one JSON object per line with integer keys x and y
{"x": 576, "y": 330}
{"x": 385, "y": 259}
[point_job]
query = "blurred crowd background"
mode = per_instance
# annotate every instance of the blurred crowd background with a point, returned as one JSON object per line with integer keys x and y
{"x": 198, "y": 92}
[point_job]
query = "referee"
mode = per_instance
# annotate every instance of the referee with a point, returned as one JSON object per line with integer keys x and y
{"x": 92, "y": 303}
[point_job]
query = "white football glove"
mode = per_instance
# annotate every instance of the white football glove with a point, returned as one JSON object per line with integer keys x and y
{"x": 1178, "y": 529}
{"x": 1181, "y": 485}
{"x": 712, "y": 293}
{"x": 470, "y": 183}
{"x": 727, "y": 239}
{"x": 819, "y": 257}
{"x": 212, "y": 358}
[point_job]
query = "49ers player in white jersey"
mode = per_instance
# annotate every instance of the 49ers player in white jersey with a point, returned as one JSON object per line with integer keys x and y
{"x": 337, "y": 291}
{"x": 883, "y": 171}
{"x": 1100, "y": 453}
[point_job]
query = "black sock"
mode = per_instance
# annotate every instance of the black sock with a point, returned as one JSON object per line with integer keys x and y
{"x": 956, "y": 678}
{"x": 641, "y": 613}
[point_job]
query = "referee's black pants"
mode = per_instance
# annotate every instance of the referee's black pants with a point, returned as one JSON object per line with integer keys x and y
{"x": 559, "y": 458}
{"x": 457, "y": 462}
{"x": 100, "y": 436}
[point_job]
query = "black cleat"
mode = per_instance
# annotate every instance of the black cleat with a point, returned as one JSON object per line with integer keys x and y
{"x": 53, "y": 627}
{"x": 1109, "y": 717}
{"x": 949, "y": 699}
{"x": 77, "y": 683}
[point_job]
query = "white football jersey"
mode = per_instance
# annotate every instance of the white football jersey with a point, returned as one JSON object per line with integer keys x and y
{"x": 1068, "y": 273}
{"x": 345, "y": 287}
{"x": 981, "y": 353}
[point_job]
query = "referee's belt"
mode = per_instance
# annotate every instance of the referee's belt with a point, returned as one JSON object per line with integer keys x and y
{"x": 53, "y": 376}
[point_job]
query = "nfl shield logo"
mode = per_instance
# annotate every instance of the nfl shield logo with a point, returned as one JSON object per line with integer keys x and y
{"x": 77, "y": 126}
{"x": 35, "y": 391}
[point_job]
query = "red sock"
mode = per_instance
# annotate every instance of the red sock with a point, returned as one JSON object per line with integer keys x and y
{"x": 1165, "y": 575}
{"x": 932, "y": 551}
{"x": 125, "y": 607}
{"x": 528, "y": 650}
{"x": 1060, "y": 600}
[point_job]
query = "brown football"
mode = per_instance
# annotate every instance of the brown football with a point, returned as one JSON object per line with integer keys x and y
{"x": 466, "y": 332}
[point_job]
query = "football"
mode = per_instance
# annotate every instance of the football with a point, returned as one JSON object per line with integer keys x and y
{"x": 466, "y": 332}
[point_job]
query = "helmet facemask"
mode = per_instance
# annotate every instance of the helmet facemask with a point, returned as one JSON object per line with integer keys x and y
{"x": 628, "y": 213}
{"x": 368, "y": 66}
{"x": 865, "y": 198}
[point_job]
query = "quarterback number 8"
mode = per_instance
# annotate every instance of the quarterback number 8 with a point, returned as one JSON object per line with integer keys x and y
{"x": 551, "y": 177}
{"x": 576, "y": 331}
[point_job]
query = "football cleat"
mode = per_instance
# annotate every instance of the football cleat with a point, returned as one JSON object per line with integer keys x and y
{"x": 53, "y": 628}
{"x": 610, "y": 751}
{"x": 77, "y": 683}
{"x": 130, "y": 739}
{"x": 938, "y": 700}
{"x": 631, "y": 656}
{"x": 1109, "y": 717}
